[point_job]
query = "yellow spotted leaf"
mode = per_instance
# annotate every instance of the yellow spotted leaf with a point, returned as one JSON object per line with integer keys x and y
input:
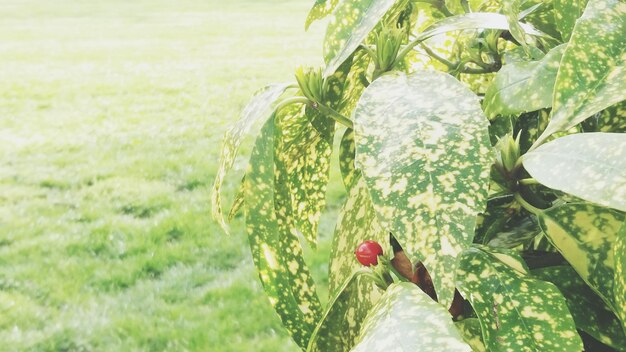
{"x": 592, "y": 74}
{"x": 407, "y": 319}
{"x": 423, "y": 147}
{"x": 591, "y": 166}
{"x": 472, "y": 333}
{"x": 252, "y": 113}
{"x": 619, "y": 290}
{"x": 585, "y": 235}
{"x": 566, "y": 12}
{"x": 590, "y": 313}
{"x": 516, "y": 311}
{"x": 320, "y": 9}
{"x": 276, "y": 251}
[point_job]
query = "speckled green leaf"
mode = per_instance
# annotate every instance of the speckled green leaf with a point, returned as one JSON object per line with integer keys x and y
{"x": 346, "y": 159}
{"x": 511, "y": 9}
{"x": 238, "y": 201}
{"x": 523, "y": 86}
{"x": 472, "y": 333}
{"x": 303, "y": 155}
{"x": 252, "y": 113}
{"x": 611, "y": 119}
{"x": 592, "y": 75}
{"x": 351, "y": 298}
{"x": 516, "y": 312}
{"x": 357, "y": 222}
{"x": 407, "y": 319}
{"x": 566, "y": 12}
{"x": 320, "y": 9}
{"x": 590, "y": 313}
{"x": 585, "y": 235}
{"x": 423, "y": 146}
{"x": 351, "y": 23}
{"x": 619, "y": 253}
{"x": 591, "y": 166}
{"x": 276, "y": 251}
{"x": 339, "y": 327}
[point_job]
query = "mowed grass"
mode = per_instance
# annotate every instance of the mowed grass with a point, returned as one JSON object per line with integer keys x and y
{"x": 111, "y": 119}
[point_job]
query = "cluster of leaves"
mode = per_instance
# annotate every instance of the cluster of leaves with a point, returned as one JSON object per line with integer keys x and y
{"x": 486, "y": 137}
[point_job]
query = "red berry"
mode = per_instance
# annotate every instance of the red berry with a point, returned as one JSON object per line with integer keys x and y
{"x": 367, "y": 253}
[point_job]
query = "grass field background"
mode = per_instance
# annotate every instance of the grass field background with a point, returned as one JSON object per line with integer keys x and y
{"x": 111, "y": 117}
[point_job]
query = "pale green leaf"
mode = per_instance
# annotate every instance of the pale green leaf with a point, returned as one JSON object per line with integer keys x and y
{"x": 341, "y": 322}
{"x": 511, "y": 9}
{"x": 516, "y": 312}
{"x": 320, "y": 9}
{"x": 351, "y": 23}
{"x": 303, "y": 154}
{"x": 523, "y": 86}
{"x": 566, "y": 12}
{"x": 472, "y": 333}
{"x": 590, "y": 313}
{"x": 276, "y": 251}
{"x": 591, "y": 166}
{"x": 585, "y": 234}
{"x": 619, "y": 290}
{"x": 407, "y": 319}
{"x": 592, "y": 75}
{"x": 423, "y": 147}
{"x": 252, "y": 113}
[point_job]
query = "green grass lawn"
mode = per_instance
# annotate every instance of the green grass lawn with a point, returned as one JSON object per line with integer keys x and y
{"x": 111, "y": 117}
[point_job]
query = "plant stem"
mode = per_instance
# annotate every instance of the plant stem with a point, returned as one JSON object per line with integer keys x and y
{"x": 333, "y": 114}
{"x": 526, "y": 205}
{"x": 451, "y": 65}
{"x": 528, "y": 181}
{"x": 289, "y": 101}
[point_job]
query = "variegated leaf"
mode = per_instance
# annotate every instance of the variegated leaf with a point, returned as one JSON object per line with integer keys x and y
{"x": 516, "y": 312}
{"x": 472, "y": 333}
{"x": 276, "y": 252}
{"x": 351, "y": 23}
{"x": 303, "y": 155}
{"x": 357, "y": 222}
{"x": 423, "y": 147}
{"x": 320, "y": 9}
{"x": 511, "y": 9}
{"x": 619, "y": 290}
{"x": 585, "y": 234}
{"x": 252, "y": 113}
{"x": 407, "y": 319}
{"x": 566, "y": 12}
{"x": 523, "y": 86}
{"x": 591, "y": 166}
{"x": 346, "y": 159}
{"x": 238, "y": 201}
{"x": 592, "y": 74}
{"x": 612, "y": 119}
{"x": 338, "y": 328}
{"x": 590, "y": 313}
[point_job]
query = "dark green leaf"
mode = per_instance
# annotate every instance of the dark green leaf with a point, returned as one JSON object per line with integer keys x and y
{"x": 590, "y": 313}
{"x": 516, "y": 312}
{"x": 423, "y": 147}
{"x": 346, "y": 159}
{"x": 566, "y": 12}
{"x": 472, "y": 333}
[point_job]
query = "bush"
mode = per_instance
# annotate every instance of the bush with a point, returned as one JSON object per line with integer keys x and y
{"x": 482, "y": 146}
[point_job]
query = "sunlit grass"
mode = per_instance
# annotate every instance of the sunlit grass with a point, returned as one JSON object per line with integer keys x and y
{"x": 111, "y": 117}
